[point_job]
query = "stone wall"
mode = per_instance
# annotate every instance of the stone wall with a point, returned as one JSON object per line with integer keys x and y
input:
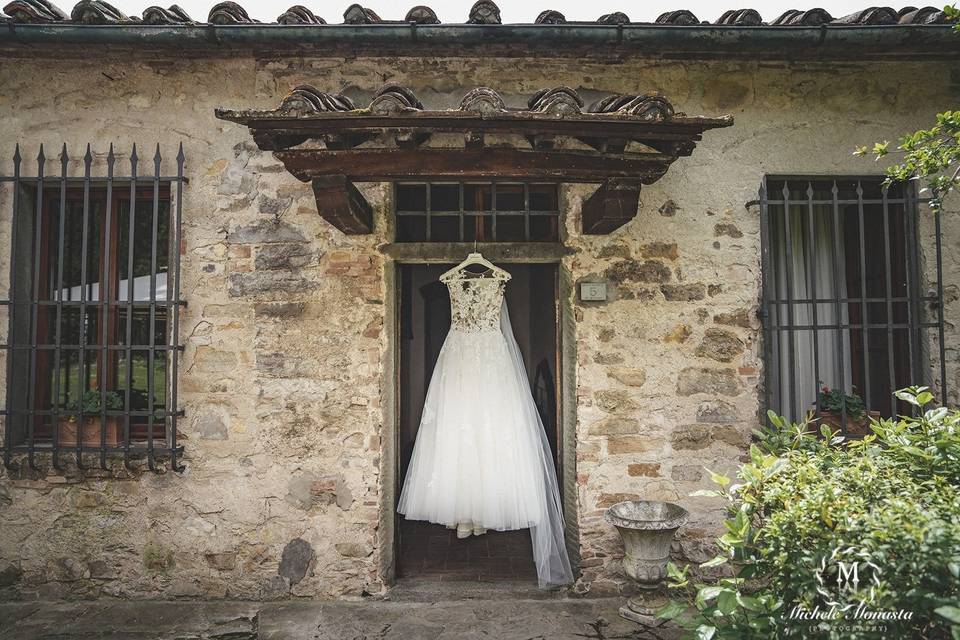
{"x": 284, "y": 329}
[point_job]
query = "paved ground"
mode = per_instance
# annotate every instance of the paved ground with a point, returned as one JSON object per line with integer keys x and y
{"x": 468, "y": 618}
{"x": 433, "y": 551}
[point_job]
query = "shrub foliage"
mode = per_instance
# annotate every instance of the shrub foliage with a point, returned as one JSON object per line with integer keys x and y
{"x": 835, "y": 538}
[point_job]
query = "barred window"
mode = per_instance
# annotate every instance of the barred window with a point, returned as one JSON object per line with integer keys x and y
{"x": 93, "y": 306}
{"x": 477, "y": 211}
{"x": 843, "y": 304}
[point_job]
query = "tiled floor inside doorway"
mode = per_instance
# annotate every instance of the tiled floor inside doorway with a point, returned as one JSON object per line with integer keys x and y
{"x": 433, "y": 551}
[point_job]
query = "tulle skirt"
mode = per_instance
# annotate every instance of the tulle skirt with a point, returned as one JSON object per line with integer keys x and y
{"x": 481, "y": 454}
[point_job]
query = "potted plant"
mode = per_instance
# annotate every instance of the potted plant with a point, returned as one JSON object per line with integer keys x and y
{"x": 89, "y": 432}
{"x": 834, "y": 403}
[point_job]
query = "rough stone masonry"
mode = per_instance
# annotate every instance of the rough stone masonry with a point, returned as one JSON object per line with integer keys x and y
{"x": 282, "y": 379}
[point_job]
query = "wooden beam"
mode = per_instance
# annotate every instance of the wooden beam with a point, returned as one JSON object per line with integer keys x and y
{"x": 611, "y": 206}
{"x": 444, "y": 252}
{"x": 384, "y": 165}
{"x": 340, "y": 203}
{"x": 516, "y": 122}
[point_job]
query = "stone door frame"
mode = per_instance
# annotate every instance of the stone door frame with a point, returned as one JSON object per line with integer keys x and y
{"x": 399, "y": 254}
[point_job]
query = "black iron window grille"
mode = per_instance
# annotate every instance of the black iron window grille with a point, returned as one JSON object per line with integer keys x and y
{"x": 93, "y": 312}
{"x": 843, "y": 296}
{"x": 477, "y": 212}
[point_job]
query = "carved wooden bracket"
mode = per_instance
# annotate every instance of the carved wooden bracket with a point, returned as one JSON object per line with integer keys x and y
{"x": 341, "y": 204}
{"x": 619, "y": 141}
{"x": 611, "y": 206}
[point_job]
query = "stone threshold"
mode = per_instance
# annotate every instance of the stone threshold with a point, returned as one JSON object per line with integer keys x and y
{"x": 505, "y": 618}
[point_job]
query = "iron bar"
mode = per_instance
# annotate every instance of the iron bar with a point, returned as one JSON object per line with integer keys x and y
{"x": 14, "y": 240}
{"x": 128, "y": 368}
{"x": 429, "y": 210}
{"x": 888, "y": 280}
{"x": 175, "y": 331}
{"x": 838, "y": 309}
{"x": 105, "y": 320}
{"x": 909, "y": 278}
{"x": 811, "y": 242}
{"x": 766, "y": 293}
{"x": 84, "y": 247}
{"x": 864, "y": 314}
{"x": 462, "y": 217}
{"x": 32, "y": 378}
{"x": 58, "y": 337}
{"x": 939, "y": 263}
{"x": 476, "y": 213}
{"x": 52, "y": 315}
{"x": 92, "y": 347}
{"x": 788, "y": 243}
{"x": 493, "y": 209}
{"x": 526, "y": 211}
{"x": 912, "y": 323}
{"x": 151, "y": 355}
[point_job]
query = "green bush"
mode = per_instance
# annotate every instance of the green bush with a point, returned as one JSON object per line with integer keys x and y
{"x": 90, "y": 403}
{"x": 810, "y": 512}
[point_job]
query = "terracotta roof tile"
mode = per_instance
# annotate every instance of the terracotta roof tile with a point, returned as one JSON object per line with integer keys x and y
{"x": 484, "y": 12}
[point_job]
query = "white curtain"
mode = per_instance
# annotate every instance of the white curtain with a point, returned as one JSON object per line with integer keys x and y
{"x": 814, "y": 265}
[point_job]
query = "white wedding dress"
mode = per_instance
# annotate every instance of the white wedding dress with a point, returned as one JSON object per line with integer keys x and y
{"x": 481, "y": 454}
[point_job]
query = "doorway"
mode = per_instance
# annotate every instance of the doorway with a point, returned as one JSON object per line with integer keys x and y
{"x": 426, "y": 550}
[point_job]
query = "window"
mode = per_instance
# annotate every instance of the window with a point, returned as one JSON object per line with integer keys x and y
{"x": 477, "y": 211}
{"x": 93, "y": 308}
{"x": 843, "y": 304}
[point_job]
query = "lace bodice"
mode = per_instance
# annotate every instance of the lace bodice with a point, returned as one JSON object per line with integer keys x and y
{"x": 475, "y": 302}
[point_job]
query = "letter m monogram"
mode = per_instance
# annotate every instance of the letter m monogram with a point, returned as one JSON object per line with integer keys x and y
{"x": 848, "y": 575}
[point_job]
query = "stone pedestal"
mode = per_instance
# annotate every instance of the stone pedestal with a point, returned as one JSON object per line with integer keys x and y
{"x": 647, "y": 529}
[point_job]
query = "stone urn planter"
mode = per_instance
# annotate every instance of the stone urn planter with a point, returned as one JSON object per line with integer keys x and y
{"x": 647, "y": 528}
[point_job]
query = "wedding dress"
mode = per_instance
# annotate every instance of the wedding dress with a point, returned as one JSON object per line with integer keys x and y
{"x": 481, "y": 454}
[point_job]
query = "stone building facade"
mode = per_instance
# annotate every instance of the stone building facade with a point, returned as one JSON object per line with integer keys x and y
{"x": 287, "y": 378}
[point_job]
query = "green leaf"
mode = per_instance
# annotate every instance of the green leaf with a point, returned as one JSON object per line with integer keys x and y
{"x": 949, "y": 612}
{"x": 924, "y": 398}
{"x": 721, "y": 480}
{"x": 749, "y": 603}
{"x": 907, "y": 396}
{"x": 705, "y": 632}
{"x": 727, "y": 602}
{"x": 706, "y": 594}
{"x": 714, "y": 562}
{"x": 671, "y": 610}
{"x": 707, "y": 493}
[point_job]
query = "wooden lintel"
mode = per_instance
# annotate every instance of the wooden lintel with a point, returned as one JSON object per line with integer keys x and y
{"x": 441, "y": 252}
{"x": 384, "y": 165}
{"x": 340, "y": 203}
{"x": 611, "y": 206}
{"x": 542, "y": 142}
{"x": 411, "y": 139}
{"x": 473, "y": 140}
{"x": 608, "y": 145}
{"x": 527, "y": 123}
{"x": 345, "y": 140}
{"x": 272, "y": 141}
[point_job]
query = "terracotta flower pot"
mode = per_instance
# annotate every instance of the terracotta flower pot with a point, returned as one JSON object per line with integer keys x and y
{"x": 859, "y": 427}
{"x": 89, "y": 432}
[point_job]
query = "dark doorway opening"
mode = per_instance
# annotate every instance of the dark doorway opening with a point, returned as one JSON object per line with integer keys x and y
{"x": 426, "y": 550}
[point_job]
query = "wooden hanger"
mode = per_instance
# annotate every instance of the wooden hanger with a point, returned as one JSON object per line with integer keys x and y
{"x": 477, "y": 258}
